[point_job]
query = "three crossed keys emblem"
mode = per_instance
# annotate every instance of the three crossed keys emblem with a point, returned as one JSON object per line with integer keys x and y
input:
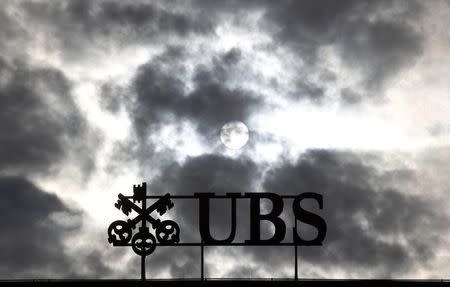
{"x": 143, "y": 242}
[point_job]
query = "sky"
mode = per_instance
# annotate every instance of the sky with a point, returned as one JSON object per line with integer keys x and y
{"x": 348, "y": 99}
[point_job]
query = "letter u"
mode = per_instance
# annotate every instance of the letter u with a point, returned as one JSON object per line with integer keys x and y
{"x": 205, "y": 232}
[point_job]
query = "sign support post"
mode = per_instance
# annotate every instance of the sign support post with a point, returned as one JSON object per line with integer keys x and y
{"x": 144, "y": 226}
{"x": 202, "y": 274}
{"x": 296, "y": 259}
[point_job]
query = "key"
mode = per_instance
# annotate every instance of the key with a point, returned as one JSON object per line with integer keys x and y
{"x": 167, "y": 231}
{"x": 143, "y": 243}
{"x": 124, "y": 205}
{"x": 165, "y": 204}
{"x": 161, "y": 204}
{"x": 119, "y": 232}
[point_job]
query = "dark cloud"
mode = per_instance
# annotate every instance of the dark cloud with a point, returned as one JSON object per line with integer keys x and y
{"x": 380, "y": 50}
{"x": 232, "y": 57}
{"x": 13, "y": 35}
{"x": 308, "y": 90}
{"x": 374, "y": 37}
{"x": 112, "y": 97}
{"x": 43, "y": 129}
{"x": 172, "y": 91}
{"x": 32, "y": 241}
{"x": 42, "y": 120}
{"x": 370, "y": 225}
{"x": 150, "y": 17}
{"x": 34, "y": 226}
{"x": 208, "y": 173}
{"x": 76, "y": 25}
{"x": 350, "y": 97}
{"x": 163, "y": 97}
{"x": 306, "y": 25}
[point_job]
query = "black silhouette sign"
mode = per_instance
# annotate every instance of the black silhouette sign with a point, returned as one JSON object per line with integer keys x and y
{"x": 167, "y": 232}
{"x": 144, "y": 242}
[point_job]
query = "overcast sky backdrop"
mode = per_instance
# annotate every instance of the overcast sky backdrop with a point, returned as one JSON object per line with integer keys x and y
{"x": 350, "y": 99}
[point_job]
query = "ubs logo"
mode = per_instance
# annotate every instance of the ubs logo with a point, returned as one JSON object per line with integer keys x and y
{"x": 153, "y": 231}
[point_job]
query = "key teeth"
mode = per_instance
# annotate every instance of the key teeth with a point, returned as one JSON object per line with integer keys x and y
{"x": 161, "y": 209}
{"x": 156, "y": 224}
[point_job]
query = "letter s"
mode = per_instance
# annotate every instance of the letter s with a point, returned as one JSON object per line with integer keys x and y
{"x": 309, "y": 218}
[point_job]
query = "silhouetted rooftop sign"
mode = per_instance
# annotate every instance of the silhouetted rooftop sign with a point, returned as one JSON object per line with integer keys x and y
{"x": 167, "y": 232}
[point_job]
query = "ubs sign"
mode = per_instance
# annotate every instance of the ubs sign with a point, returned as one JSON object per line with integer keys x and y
{"x": 167, "y": 232}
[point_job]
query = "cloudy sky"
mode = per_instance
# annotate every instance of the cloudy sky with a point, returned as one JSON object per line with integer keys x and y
{"x": 349, "y": 99}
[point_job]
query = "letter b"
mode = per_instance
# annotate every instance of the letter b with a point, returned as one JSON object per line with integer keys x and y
{"x": 273, "y": 216}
